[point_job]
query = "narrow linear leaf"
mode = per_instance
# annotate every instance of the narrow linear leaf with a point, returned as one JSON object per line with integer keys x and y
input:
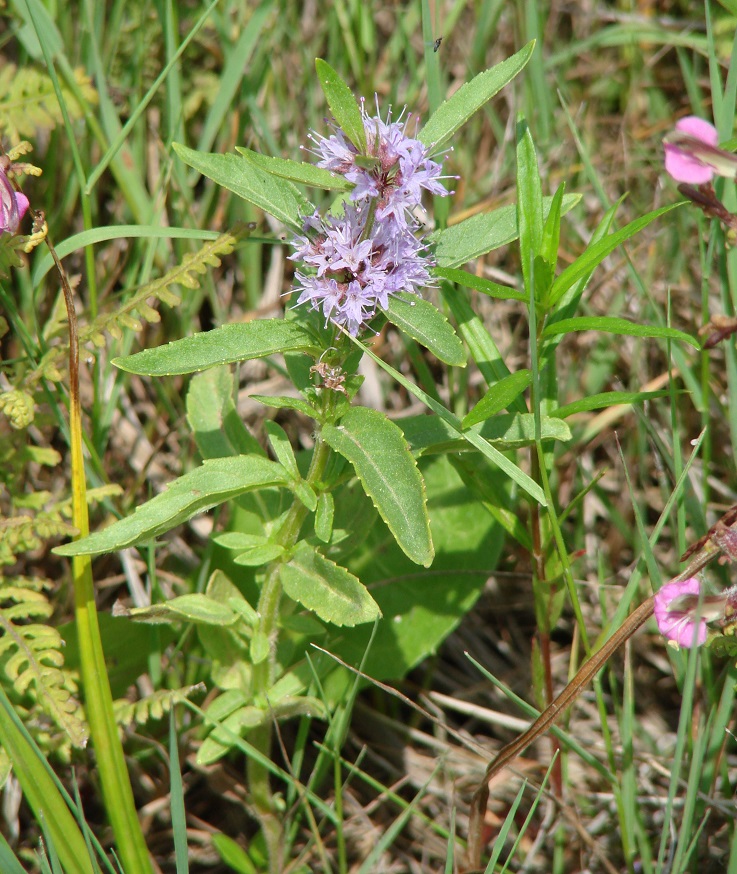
{"x": 482, "y": 233}
{"x": 342, "y": 104}
{"x": 327, "y": 589}
{"x": 297, "y": 171}
{"x": 597, "y": 252}
{"x": 224, "y": 345}
{"x": 425, "y": 323}
{"x": 610, "y": 325}
{"x": 607, "y": 399}
{"x": 282, "y": 403}
{"x": 389, "y": 475}
{"x": 478, "y": 283}
{"x": 216, "y": 481}
{"x": 455, "y": 112}
{"x": 274, "y": 195}
{"x": 498, "y": 397}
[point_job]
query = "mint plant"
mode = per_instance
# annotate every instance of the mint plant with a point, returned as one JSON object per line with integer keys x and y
{"x": 307, "y": 534}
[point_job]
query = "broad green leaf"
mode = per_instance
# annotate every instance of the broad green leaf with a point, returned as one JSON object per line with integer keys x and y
{"x": 196, "y": 607}
{"x": 469, "y": 98}
{"x": 425, "y": 323}
{"x": 218, "y": 429}
{"x": 422, "y": 608}
{"x": 216, "y": 481}
{"x": 610, "y": 325}
{"x": 482, "y": 233}
{"x": 383, "y": 463}
{"x": 478, "y": 283}
{"x": 426, "y": 434}
{"x": 227, "y": 344}
{"x": 297, "y": 171}
{"x": 327, "y": 589}
{"x": 607, "y": 399}
{"x": 453, "y": 422}
{"x": 342, "y": 104}
{"x": 498, "y": 397}
{"x": 273, "y": 195}
{"x": 597, "y": 252}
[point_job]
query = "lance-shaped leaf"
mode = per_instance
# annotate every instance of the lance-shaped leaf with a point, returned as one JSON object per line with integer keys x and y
{"x": 297, "y": 171}
{"x": 342, "y": 104}
{"x": 388, "y": 473}
{"x": 227, "y": 344}
{"x": 425, "y": 323}
{"x": 196, "y": 607}
{"x": 498, "y": 397}
{"x": 327, "y": 589}
{"x": 484, "y": 232}
{"x": 216, "y": 481}
{"x": 272, "y": 194}
{"x": 623, "y": 327}
{"x": 456, "y": 111}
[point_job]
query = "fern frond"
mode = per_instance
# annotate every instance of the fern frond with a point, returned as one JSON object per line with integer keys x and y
{"x": 128, "y": 713}
{"x": 137, "y": 308}
{"x": 19, "y": 534}
{"x": 31, "y": 654}
{"x": 28, "y": 101}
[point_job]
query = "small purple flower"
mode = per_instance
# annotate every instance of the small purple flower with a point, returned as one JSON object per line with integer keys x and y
{"x": 355, "y": 274}
{"x": 679, "y": 613}
{"x": 692, "y": 156}
{"x": 13, "y": 205}
{"x": 395, "y": 170}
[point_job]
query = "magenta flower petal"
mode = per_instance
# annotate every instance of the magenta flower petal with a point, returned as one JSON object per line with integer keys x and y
{"x": 677, "y": 615}
{"x": 681, "y": 161}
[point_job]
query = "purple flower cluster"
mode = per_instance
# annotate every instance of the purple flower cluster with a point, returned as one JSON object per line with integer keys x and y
{"x": 371, "y": 251}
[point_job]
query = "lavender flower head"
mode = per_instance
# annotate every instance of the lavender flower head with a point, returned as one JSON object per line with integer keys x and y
{"x": 370, "y": 252}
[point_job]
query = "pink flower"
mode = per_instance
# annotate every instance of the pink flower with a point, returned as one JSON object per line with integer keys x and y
{"x": 677, "y": 610}
{"x": 691, "y": 153}
{"x": 13, "y": 205}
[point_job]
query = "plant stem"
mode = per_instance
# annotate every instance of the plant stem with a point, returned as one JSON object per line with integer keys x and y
{"x": 114, "y": 779}
{"x": 264, "y": 672}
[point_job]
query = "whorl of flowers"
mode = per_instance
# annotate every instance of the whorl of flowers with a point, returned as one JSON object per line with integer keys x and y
{"x": 371, "y": 251}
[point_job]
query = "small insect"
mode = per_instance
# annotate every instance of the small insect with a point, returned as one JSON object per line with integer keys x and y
{"x": 436, "y": 44}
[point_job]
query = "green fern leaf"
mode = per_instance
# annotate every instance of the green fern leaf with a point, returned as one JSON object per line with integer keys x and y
{"x": 31, "y": 655}
{"x": 154, "y": 706}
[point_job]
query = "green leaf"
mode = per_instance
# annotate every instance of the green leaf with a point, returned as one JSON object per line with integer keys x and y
{"x": 216, "y": 481}
{"x": 597, "y": 252}
{"x": 282, "y": 448}
{"x": 258, "y": 555}
{"x": 607, "y": 399}
{"x": 478, "y": 283}
{"x": 327, "y": 589}
{"x": 197, "y": 607}
{"x": 227, "y": 344}
{"x": 234, "y": 856}
{"x": 286, "y": 403}
{"x": 342, "y": 104}
{"x": 218, "y": 429}
{"x": 425, "y": 323}
{"x": 529, "y": 205}
{"x": 469, "y": 98}
{"x": 383, "y": 463}
{"x": 482, "y": 233}
{"x": 507, "y": 465}
{"x": 551, "y": 231}
{"x": 426, "y": 434}
{"x": 610, "y": 325}
{"x": 297, "y": 171}
{"x": 324, "y": 517}
{"x": 498, "y": 397}
{"x": 273, "y": 195}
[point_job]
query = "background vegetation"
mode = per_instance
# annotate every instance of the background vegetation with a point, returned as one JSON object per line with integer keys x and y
{"x": 102, "y": 93}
